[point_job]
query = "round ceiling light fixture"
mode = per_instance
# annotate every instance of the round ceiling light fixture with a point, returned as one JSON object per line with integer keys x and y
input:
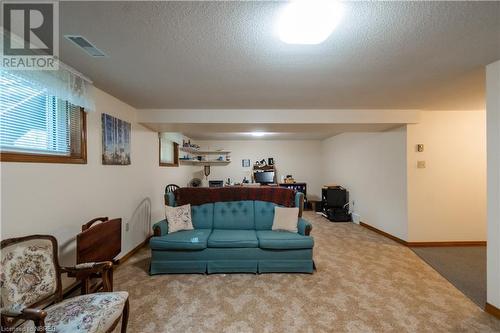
{"x": 257, "y": 134}
{"x": 309, "y": 21}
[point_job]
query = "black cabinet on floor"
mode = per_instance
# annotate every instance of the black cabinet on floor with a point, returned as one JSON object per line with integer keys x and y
{"x": 334, "y": 197}
{"x": 335, "y": 202}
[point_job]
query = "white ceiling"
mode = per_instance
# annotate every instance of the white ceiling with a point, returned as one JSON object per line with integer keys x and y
{"x": 224, "y": 55}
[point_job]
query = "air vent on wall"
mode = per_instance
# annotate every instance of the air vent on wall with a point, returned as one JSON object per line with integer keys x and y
{"x": 85, "y": 45}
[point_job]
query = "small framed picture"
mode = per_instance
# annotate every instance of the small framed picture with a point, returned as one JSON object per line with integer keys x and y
{"x": 245, "y": 163}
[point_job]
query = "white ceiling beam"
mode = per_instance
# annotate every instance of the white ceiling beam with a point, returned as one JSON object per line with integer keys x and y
{"x": 277, "y": 116}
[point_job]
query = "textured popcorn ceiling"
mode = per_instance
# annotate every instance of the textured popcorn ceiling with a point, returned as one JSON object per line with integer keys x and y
{"x": 398, "y": 55}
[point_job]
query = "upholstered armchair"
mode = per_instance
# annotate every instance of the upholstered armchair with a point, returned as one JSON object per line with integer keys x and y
{"x": 31, "y": 291}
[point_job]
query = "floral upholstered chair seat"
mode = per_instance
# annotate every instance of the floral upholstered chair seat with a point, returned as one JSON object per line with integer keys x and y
{"x": 88, "y": 313}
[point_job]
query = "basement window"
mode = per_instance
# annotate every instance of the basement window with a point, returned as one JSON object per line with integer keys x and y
{"x": 38, "y": 127}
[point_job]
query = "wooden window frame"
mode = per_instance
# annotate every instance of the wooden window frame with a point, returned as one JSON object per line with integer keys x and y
{"x": 80, "y": 158}
{"x": 175, "y": 163}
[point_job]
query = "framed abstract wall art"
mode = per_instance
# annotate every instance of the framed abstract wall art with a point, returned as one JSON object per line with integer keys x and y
{"x": 115, "y": 141}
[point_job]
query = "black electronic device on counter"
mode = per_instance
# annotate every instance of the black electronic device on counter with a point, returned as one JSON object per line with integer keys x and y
{"x": 215, "y": 183}
{"x": 264, "y": 177}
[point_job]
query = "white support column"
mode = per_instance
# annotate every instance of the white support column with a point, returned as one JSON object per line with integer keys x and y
{"x": 493, "y": 150}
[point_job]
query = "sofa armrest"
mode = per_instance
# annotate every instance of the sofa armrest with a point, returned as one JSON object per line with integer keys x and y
{"x": 160, "y": 228}
{"x": 299, "y": 202}
{"x": 304, "y": 227}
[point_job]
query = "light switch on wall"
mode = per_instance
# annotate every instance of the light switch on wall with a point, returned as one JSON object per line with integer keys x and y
{"x": 421, "y": 164}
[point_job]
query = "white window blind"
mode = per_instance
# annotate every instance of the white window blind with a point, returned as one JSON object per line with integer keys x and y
{"x": 32, "y": 121}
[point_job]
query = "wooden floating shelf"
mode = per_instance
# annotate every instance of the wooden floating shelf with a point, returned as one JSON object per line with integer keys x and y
{"x": 196, "y": 162}
{"x": 203, "y": 152}
{"x": 263, "y": 168}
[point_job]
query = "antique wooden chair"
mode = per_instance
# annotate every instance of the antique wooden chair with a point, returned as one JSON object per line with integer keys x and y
{"x": 171, "y": 188}
{"x": 31, "y": 291}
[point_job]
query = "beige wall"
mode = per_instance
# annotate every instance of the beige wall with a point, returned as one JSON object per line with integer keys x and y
{"x": 58, "y": 198}
{"x": 441, "y": 203}
{"x": 447, "y": 199}
{"x": 493, "y": 132}
{"x": 300, "y": 158}
{"x": 372, "y": 166}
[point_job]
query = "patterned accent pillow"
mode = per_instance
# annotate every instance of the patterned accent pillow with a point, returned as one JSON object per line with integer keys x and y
{"x": 178, "y": 218}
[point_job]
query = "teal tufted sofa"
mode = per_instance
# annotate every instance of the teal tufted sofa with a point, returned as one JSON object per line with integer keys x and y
{"x": 232, "y": 236}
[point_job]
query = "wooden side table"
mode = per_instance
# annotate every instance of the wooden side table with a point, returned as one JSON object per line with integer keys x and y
{"x": 313, "y": 204}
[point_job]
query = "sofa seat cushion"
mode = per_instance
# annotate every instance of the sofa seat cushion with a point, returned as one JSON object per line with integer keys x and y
{"x": 233, "y": 238}
{"x": 182, "y": 240}
{"x": 283, "y": 240}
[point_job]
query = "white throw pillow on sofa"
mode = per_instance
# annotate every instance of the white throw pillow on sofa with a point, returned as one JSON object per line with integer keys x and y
{"x": 178, "y": 218}
{"x": 285, "y": 219}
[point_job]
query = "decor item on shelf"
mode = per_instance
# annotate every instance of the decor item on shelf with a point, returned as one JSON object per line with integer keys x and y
{"x": 289, "y": 179}
{"x": 195, "y": 182}
{"x": 31, "y": 280}
{"x": 115, "y": 141}
{"x": 245, "y": 163}
{"x": 188, "y": 144}
{"x": 206, "y": 171}
{"x": 205, "y": 157}
{"x": 270, "y": 161}
{"x": 260, "y": 163}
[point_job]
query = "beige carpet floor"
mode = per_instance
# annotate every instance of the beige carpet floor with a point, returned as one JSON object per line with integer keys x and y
{"x": 363, "y": 283}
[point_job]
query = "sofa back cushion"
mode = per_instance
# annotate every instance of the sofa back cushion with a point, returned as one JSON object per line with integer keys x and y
{"x": 264, "y": 214}
{"x": 234, "y": 215}
{"x": 203, "y": 216}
